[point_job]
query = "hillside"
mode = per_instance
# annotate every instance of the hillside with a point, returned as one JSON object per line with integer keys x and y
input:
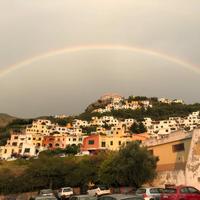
{"x": 157, "y": 111}
{"x": 5, "y": 119}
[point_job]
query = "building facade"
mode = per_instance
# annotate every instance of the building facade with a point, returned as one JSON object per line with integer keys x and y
{"x": 179, "y": 158}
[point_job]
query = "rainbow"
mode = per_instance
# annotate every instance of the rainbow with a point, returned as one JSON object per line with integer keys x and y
{"x": 71, "y": 49}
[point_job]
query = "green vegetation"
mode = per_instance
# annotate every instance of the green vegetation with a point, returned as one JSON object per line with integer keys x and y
{"x": 60, "y": 121}
{"x": 159, "y": 111}
{"x": 69, "y": 150}
{"x": 89, "y": 129}
{"x": 98, "y": 104}
{"x": 14, "y": 125}
{"x": 138, "y": 128}
{"x": 133, "y": 165}
{"x": 5, "y": 119}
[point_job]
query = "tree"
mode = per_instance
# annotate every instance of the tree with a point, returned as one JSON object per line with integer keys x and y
{"x": 72, "y": 149}
{"x": 142, "y": 127}
{"x": 134, "y": 128}
{"x": 138, "y": 128}
{"x": 88, "y": 129}
{"x": 46, "y": 172}
{"x": 132, "y": 166}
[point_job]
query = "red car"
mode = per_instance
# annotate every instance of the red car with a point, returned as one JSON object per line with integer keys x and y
{"x": 181, "y": 193}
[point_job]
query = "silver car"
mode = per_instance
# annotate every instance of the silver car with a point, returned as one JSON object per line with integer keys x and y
{"x": 152, "y": 193}
{"x": 120, "y": 197}
{"x": 45, "y": 198}
{"x": 83, "y": 197}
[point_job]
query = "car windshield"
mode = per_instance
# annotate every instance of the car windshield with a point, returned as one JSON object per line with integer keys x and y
{"x": 169, "y": 190}
{"x": 45, "y": 198}
{"x": 156, "y": 190}
{"x": 88, "y": 198}
{"x": 103, "y": 187}
{"x": 67, "y": 190}
{"x": 48, "y": 191}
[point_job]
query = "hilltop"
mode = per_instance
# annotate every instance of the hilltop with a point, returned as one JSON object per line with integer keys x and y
{"x": 5, "y": 119}
{"x": 138, "y": 107}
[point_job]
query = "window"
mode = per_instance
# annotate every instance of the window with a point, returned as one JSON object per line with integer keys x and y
{"x": 106, "y": 198}
{"x": 91, "y": 142}
{"x": 67, "y": 190}
{"x": 169, "y": 190}
{"x": 103, "y": 144}
{"x": 74, "y": 139}
{"x": 178, "y": 147}
{"x": 14, "y": 144}
{"x": 111, "y": 143}
{"x": 27, "y": 150}
{"x": 156, "y": 190}
{"x": 184, "y": 190}
{"x": 193, "y": 190}
{"x": 120, "y": 142}
{"x": 16, "y": 137}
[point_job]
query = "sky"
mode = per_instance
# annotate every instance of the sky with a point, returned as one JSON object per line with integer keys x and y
{"x": 38, "y": 78}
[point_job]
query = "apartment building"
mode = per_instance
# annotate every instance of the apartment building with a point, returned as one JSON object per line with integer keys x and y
{"x": 179, "y": 158}
{"x": 54, "y": 141}
{"x": 165, "y": 127}
{"x": 61, "y": 141}
{"x": 21, "y": 145}
{"x": 77, "y": 123}
{"x": 113, "y": 141}
{"x": 40, "y": 126}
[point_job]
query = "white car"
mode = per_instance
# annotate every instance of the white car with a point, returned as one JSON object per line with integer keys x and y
{"x": 98, "y": 190}
{"x": 46, "y": 192}
{"x": 65, "y": 192}
{"x": 150, "y": 193}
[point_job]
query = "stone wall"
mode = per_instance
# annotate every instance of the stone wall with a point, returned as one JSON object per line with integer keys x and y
{"x": 193, "y": 163}
{"x": 175, "y": 177}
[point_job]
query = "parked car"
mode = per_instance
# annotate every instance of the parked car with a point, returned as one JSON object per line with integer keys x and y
{"x": 181, "y": 193}
{"x": 65, "y": 192}
{"x": 98, "y": 190}
{"x": 46, "y": 192}
{"x": 152, "y": 193}
{"x": 83, "y": 197}
{"x": 45, "y": 198}
{"x": 120, "y": 197}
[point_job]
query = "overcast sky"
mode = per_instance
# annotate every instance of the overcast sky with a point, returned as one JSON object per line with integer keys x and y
{"x": 67, "y": 83}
